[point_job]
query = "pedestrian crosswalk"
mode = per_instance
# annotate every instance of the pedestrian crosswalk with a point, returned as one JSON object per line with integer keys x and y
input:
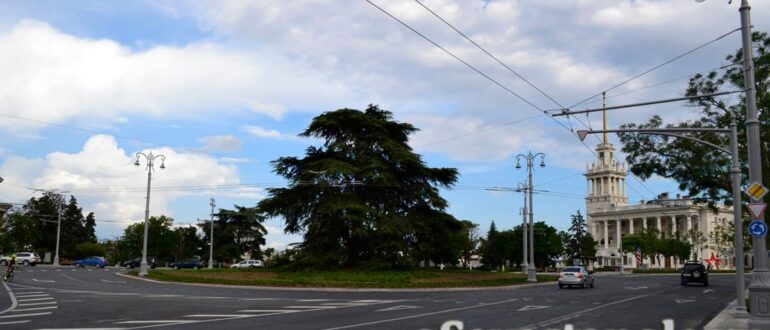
{"x": 26, "y": 305}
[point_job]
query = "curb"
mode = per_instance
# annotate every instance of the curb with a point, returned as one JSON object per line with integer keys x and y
{"x": 276, "y": 288}
{"x": 725, "y": 319}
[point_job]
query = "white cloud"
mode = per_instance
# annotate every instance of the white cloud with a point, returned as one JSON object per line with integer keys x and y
{"x": 224, "y": 143}
{"x": 52, "y": 76}
{"x": 262, "y": 132}
{"x": 104, "y": 180}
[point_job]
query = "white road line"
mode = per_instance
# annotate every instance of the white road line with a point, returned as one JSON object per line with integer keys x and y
{"x": 14, "y": 303}
{"x": 35, "y": 299}
{"x": 32, "y": 295}
{"x": 14, "y": 322}
{"x": 38, "y": 304}
{"x": 42, "y": 281}
{"x": 161, "y": 296}
{"x": 313, "y": 300}
{"x": 33, "y": 309}
{"x": 253, "y": 299}
{"x": 156, "y": 321}
{"x": 27, "y": 292}
{"x": 23, "y": 315}
{"x": 74, "y": 279}
{"x": 310, "y": 307}
{"x": 108, "y": 281}
{"x": 375, "y": 301}
{"x": 270, "y": 311}
{"x": 344, "y": 304}
{"x": 421, "y": 315}
{"x": 217, "y": 315}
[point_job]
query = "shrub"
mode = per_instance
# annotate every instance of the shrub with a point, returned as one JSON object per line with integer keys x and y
{"x": 83, "y": 250}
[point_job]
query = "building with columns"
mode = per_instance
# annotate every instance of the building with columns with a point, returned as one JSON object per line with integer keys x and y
{"x": 610, "y": 217}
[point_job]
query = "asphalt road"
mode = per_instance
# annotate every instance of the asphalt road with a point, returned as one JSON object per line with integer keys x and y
{"x": 45, "y": 297}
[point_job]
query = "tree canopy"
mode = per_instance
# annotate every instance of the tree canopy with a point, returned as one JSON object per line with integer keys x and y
{"x": 363, "y": 196}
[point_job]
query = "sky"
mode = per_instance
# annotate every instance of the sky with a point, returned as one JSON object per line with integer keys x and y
{"x": 221, "y": 88}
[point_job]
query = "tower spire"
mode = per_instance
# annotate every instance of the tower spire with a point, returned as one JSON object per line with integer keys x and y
{"x": 604, "y": 114}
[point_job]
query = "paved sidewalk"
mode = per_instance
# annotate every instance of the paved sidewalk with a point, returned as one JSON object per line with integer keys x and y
{"x": 726, "y": 320}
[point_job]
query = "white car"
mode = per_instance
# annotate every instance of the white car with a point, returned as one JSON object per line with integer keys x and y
{"x": 22, "y": 258}
{"x": 248, "y": 264}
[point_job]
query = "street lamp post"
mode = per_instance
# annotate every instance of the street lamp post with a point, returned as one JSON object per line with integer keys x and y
{"x": 150, "y": 167}
{"x": 59, "y": 201}
{"x": 211, "y": 243}
{"x": 530, "y": 158}
{"x": 523, "y": 189}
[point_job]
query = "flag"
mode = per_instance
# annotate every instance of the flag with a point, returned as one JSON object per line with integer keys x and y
{"x": 638, "y": 257}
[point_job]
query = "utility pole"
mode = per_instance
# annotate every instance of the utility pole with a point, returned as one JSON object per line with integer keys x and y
{"x": 211, "y": 241}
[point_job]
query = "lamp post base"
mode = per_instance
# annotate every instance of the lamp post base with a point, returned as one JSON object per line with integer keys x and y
{"x": 143, "y": 268}
{"x": 524, "y": 268}
{"x": 56, "y": 261}
{"x": 531, "y": 275}
{"x": 759, "y": 294}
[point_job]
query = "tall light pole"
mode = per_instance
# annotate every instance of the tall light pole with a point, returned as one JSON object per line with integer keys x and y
{"x": 59, "y": 201}
{"x": 211, "y": 241}
{"x": 150, "y": 167}
{"x": 530, "y": 158}
{"x": 523, "y": 189}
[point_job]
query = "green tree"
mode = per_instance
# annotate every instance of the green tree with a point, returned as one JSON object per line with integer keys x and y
{"x": 363, "y": 196}
{"x": 493, "y": 248}
{"x": 160, "y": 241}
{"x": 187, "y": 242}
{"x": 469, "y": 241}
{"x": 236, "y": 233}
{"x": 702, "y": 170}
{"x": 268, "y": 254}
{"x": 580, "y": 243}
{"x": 548, "y": 245}
{"x": 87, "y": 249}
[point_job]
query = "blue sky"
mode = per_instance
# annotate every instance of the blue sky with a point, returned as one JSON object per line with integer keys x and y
{"x": 222, "y": 88}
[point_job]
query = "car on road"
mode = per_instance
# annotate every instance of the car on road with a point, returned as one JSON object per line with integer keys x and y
{"x": 576, "y": 276}
{"x": 248, "y": 264}
{"x": 189, "y": 263}
{"x": 22, "y": 258}
{"x": 136, "y": 262}
{"x": 694, "y": 271}
{"x": 91, "y": 261}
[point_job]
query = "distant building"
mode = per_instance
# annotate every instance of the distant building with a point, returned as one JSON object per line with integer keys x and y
{"x": 609, "y": 218}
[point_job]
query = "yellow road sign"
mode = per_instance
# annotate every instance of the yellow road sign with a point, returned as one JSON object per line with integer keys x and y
{"x": 756, "y": 191}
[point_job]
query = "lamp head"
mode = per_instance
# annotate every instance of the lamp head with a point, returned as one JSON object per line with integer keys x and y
{"x": 518, "y": 166}
{"x": 542, "y": 163}
{"x": 136, "y": 163}
{"x": 162, "y": 166}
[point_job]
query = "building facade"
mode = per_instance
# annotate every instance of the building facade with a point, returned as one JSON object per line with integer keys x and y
{"x": 609, "y": 217}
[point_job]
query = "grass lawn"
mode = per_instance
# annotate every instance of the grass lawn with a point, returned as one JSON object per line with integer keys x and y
{"x": 419, "y": 278}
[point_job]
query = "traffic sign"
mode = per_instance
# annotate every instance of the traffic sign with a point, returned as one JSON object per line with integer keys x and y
{"x": 757, "y": 210}
{"x": 757, "y": 228}
{"x": 582, "y": 134}
{"x": 756, "y": 191}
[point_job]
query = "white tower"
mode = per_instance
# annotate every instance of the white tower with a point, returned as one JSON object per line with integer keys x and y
{"x": 606, "y": 181}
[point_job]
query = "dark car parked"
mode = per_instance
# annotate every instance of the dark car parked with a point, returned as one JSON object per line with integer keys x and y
{"x": 189, "y": 263}
{"x": 136, "y": 262}
{"x": 694, "y": 271}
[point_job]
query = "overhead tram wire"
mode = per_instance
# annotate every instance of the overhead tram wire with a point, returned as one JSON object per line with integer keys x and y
{"x": 656, "y": 67}
{"x": 503, "y": 64}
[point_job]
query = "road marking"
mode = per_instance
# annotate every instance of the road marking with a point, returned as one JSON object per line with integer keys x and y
{"x": 636, "y": 288}
{"x": 530, "y": 308}
{"x": 398, "y": 308}
{"x": 33, "y": 295}
{"x": 376, "y": 301}
{"x": 34, "y": 309}
{"x": 108, "y": 281}
{"x": 313, "y": 300}
{"x": 707, "y": 290}
{"x": 571, "y": 315}
{"x": 33, "y": 292}
{"x": 161, "y": 295}
{"x": 39, "y": 303}
{"x": 23, "y": 315}
{"x": 311, "y": 307}
{"x": 253, "y": 299}
{"x": 14, "y": 302}
{"x": 344, "y": 304}
{"x": 15, "y": 322}
{"x": 683, "y": 301}
{"x": 35, "y": 299}
{"x": 43, "y": 281}
{"x": 217, "y": 315}
{"x": 58, "y": 270}
{"x": 74, "y": 279}
{"x": 270, "y": 310}
{"x": 156, "y": 321}
{"x": 422, "y": 315}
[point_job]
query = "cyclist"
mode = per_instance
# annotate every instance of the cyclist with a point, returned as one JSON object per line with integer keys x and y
{"x": 11, "y": 264}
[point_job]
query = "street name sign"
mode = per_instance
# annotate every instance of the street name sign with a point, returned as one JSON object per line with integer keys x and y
{"x": 757, "y": 210}
{"x": 756, "y": 191}
{"x": 757, "y": 228}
